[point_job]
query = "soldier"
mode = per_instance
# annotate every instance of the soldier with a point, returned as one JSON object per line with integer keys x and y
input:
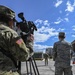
{"x": 12, "y": 46}
{"x": 28, "y": 38}
{"x": 26, "y": 30}
{"x": 61, "y": 56}
{"x": 46, "y": 59}
{"x": 73, "y": 52}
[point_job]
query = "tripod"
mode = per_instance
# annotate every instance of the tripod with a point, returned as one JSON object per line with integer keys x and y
{"x": 32, "y": 66}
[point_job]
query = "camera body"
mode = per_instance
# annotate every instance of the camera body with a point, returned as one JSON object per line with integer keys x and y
{"x": 25, "y": 26}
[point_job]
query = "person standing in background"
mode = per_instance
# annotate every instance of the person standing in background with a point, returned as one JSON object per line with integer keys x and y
{"x": 46, "y": 59}
{"x": 61, "y": 56}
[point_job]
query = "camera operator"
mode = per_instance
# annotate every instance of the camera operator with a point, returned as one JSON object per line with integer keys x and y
{"x": 26, "y": 30}
{"x": 12, "y": 47}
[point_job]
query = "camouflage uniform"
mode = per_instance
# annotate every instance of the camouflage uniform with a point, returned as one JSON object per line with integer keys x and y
{"x": 28, "y": 39}
{"x": 61, "y": 56}
{"x": 12, "y": 44}
{"x": 46, "y": 58}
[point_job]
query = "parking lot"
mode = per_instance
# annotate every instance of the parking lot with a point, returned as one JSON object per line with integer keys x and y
{"x": 44, "y": 70}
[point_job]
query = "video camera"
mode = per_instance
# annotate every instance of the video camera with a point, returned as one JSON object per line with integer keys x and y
{"x": 26, "y": 26}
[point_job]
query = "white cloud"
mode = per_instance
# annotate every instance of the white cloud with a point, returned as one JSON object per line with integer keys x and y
{"x": 73, "y": 27}
{"x": 59, "y": 20}
{"x": 61, "y": 29}
{"x": 66, "y": 19}
{"x": 73, "y": 35}
{"x": 74, "y": 3}
{"x": 70, "y": 7}
{"x": 38, "y": 21}
{"x": 41, "y": 37}
{"x": 38, "y": 47}
{"x": 58, "y": 3}
{"x": 67, "y": 14}
{"x": 44, "y": 33}
{"x": 46, "y": 23}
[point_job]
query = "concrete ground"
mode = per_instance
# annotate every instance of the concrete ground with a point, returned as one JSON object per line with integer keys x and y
{"x": 43, "y": 70}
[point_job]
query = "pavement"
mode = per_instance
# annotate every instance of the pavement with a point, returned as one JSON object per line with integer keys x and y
{"x": 43, "y": 70}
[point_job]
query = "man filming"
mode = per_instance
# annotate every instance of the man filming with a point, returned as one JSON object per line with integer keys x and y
{"x": 11, "y": 45}
{"x": 26, "y": 30}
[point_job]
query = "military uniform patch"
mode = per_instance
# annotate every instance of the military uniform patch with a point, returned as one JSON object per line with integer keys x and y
{"x": 20, "y": 41}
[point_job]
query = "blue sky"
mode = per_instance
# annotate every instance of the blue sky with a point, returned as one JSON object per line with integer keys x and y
{"x": 50, "y": 17}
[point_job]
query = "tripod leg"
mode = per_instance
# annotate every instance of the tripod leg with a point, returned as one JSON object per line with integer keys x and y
{"x": 27, "y": 67}
{"x": 35, "y": 65}
{"x": 30, "y": 67}
{"x": 19, "y": 67}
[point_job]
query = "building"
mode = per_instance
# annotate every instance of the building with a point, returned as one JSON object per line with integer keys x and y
{"x": 38, "y": 55}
